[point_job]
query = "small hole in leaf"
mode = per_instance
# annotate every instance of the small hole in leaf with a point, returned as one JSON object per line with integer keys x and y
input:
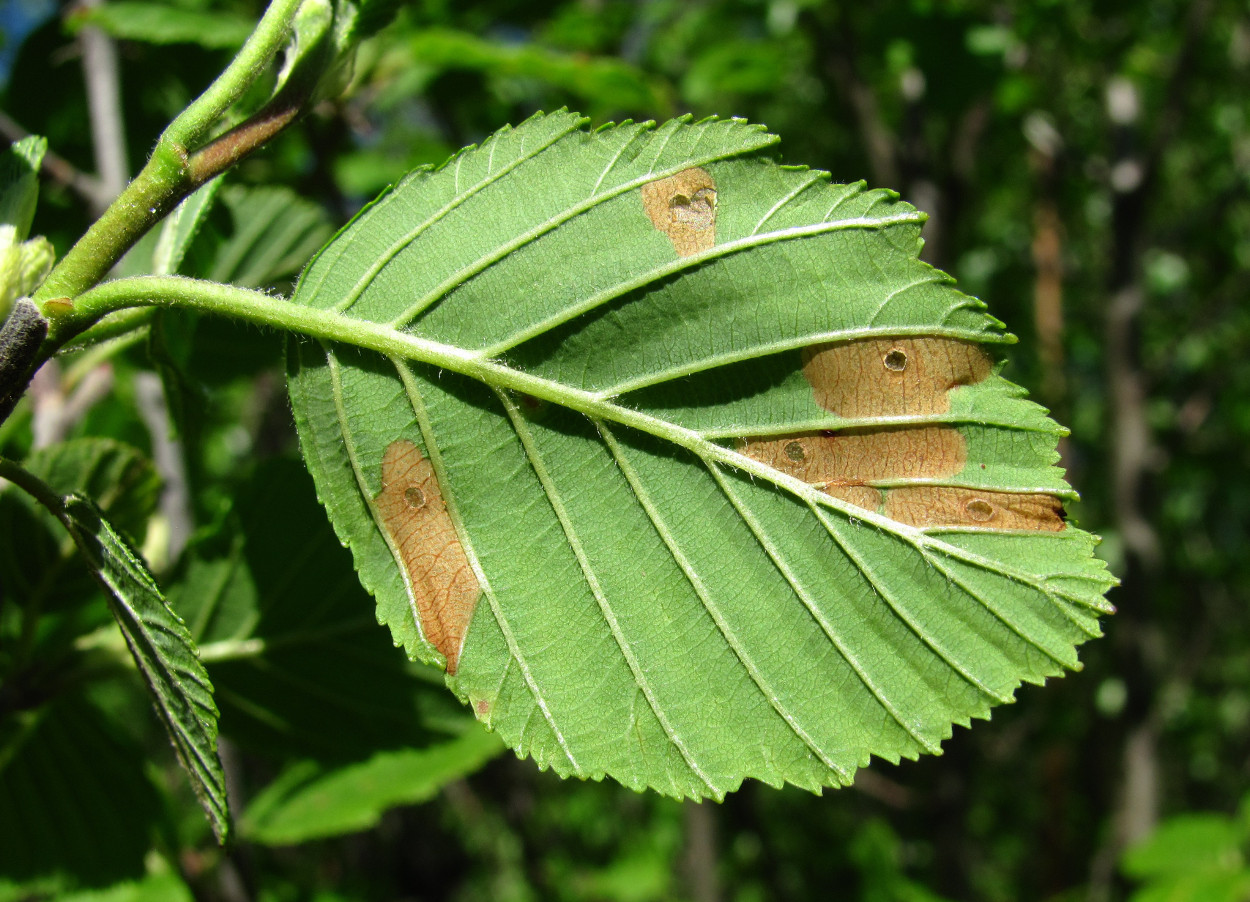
{"x": 794, "y": 451}
{"x": 697, "y": 210}
{"x": 414, "y": 497}
{"x": 980, "y": 510}
{"x": 895, "y": 360}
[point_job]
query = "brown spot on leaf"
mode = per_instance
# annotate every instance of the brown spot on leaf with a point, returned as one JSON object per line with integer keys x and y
{"x": 892, "y": 376}
{"x": 683, "y": 207}
{"x": 936, "y": 505}
{"x": 898, "y": 377}
{"x": 860, "y": 456}
{"x": 413, "y": 513}
{"x": 864, "y": 496}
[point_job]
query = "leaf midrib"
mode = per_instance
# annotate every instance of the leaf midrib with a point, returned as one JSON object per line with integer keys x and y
{"x": 395, "y": 344}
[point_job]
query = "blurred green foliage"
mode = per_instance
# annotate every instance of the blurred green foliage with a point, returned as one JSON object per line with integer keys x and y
{"x": 1088, "y": 171}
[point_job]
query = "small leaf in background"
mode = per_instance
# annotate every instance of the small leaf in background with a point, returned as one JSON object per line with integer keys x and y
{"x": 371, "y": 16}
{"x": 19, "y": 183}
{"x": 23, "y": 263}
{"x": 310, "y": 802}
{"x": 156, "y": 888}
{"x": 38, "y": 563}
{"x": 604, "y": 82}
{"x": 1193, "y": 858}
{"x": 167, "y": 23}
{"x": 163, "y": 650}
{"x": 302, "y": 671}
{"x": 732, "y": 485}
{"x": 180, "y": 227}
{"x": 275, "y": 232}
{"x": 300, "y": 667}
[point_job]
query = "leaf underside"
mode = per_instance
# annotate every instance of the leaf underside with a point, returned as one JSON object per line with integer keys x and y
{"x": 721, "y": 481}
{"x": 163, "y": 651}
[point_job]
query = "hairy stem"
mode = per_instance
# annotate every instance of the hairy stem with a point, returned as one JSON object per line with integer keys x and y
{"x": 34, "y": 486}
{"x": 170, "y": 175}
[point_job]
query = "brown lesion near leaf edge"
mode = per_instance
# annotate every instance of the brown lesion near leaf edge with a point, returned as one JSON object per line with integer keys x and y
{"x": 683, "y": 207}
{"x": 940, "y": 505}
{"x": 411, "y": 509}
{"x": 898, "y": 377}
{"x": 881, "y": 377}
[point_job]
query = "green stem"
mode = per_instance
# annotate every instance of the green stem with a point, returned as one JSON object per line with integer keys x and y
{"x": 171, "y": 173}
{"x": 121, "y": 324}
{"x": 327, "y": 325}
{"x": 34, "y": 486}
{"x": 267, "y": 39}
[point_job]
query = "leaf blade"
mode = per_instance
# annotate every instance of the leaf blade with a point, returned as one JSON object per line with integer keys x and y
{"x": 687, "y": 579}
{"x": 163, "y": 650}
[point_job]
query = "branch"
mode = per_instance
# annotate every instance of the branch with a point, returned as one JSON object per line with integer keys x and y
{"x": 104, "y": 108}
{"x": 167, "y": 178}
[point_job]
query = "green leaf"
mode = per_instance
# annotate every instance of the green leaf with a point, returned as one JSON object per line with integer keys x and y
{"x": 682, "y": 463}
{"x": 155, "y": 888}
{"x": 19, "y": 183}
{"x": 35, "y": 561}
{"x": 299, "y": 666}
{"x": 24, "y": 264}
{"x": 1188, "y": 844}
{"x": 371, "y": 16}
{"x": 310, "y": 802}
{"x": 165, "y": 23}
{"x": 275, "y": 233}
{"x": 180, "y": 227}
{"x": 608, "y": 83}
{"x": 162, "y": 648}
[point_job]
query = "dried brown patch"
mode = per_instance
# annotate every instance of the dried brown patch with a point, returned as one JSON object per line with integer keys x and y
{"x": 415, "y": 516}
{"x": 892, "y": 376}
{"x": 934, "y": 505}
{"x": 862, "y": 456}
{"x": 898, "y": 377}
{"x": 683, "y": 207}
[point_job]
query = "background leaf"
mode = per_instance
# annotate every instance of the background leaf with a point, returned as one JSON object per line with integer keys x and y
{"x": 163, "y": 650}
{"x": 300, "y": 667}
{"x": 275, "y": 232}
{"x": 735, "y": 492}
{"x": 307, "y": 802}
{"x": 19, "y": 183}
{"x": 168, "y": 23}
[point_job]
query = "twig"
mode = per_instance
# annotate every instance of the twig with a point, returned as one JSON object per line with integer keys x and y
{"x": 104, "y": 107}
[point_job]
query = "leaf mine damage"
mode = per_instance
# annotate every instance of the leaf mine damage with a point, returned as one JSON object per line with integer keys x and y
{"x": 683, "y": 207}
{"x": 414, "y": 514}
{"x": 892, "y": 376}
{"x": 889, "y": 378}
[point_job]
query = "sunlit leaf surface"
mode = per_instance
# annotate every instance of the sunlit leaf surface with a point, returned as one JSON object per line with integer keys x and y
{"x": 725, "y": 482}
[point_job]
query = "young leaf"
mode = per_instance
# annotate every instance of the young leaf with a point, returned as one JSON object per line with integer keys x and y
{"x": 19, "y": 183}
{"x": 180, "y": 228}
{"x": 162, "y": 649}
{"x": 23, "y": 263}
{"x": 308, "y": 802}
{"x": 717, "y": 479}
